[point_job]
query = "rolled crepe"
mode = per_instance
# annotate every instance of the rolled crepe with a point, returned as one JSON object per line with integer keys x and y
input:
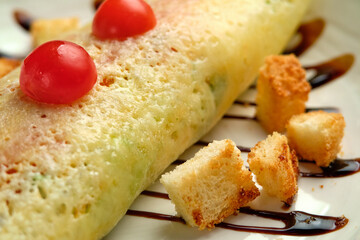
{"x": 72, "y": 171}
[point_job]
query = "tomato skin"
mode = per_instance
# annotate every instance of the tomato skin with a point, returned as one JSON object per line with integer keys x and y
{"x": 120, "y": 19}
{"x": 57, "y": 72}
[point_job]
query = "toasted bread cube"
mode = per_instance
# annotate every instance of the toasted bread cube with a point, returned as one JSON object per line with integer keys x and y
{"x": 316, "y": 136}
{"x": 43, "y": 30}
{"x": 275, "y": 166}
{"x": 7, "y": 65}
{"x": 282, "y": 92}
{"x": 210, "y": 186}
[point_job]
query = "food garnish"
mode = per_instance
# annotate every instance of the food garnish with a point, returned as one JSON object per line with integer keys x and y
{"x": 120, "y": 19}
{"x": 7, "y": 65}
{"x": 212, "y": 185}
{"x": 57, "y": 72}
{"x": 275, "y": 166}
{"x": 316, "y": 136}
{"x": 282, "y": 91}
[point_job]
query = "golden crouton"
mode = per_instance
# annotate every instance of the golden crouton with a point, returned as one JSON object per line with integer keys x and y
{"x": 7, "y": 65}
{"x": 44, "y": 30}
{"x": 316, "y": 136}
{"x": 210, "y": 186}
{"x": 275, "y": 167}
{"x": 282, "y": 92}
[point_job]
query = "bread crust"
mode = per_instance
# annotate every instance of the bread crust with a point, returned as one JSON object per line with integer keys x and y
{"x": 7, "y": 65}
{"x": 282, "y": 91}
{"x": 211, "y": 186}
{"x": 276, "y": 167}
{"x": 316, "y": 136}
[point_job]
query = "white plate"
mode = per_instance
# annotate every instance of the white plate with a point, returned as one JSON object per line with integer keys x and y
{"x": 338, "y": 196}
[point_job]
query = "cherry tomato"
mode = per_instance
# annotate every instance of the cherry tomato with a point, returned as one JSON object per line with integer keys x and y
{"x": 57, "y": 72}
{"x": 120, "y": 19}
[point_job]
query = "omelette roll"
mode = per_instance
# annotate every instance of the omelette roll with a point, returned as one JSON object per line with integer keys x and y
{"x": 71, "y": 171}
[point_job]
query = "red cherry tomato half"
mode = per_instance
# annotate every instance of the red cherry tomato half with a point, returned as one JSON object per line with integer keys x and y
{"x": 57, "y": 72}
{"x": 119, "y": 19}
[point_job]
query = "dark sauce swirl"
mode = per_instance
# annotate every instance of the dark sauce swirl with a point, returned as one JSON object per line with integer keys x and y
{"x": 24, "y": 19}
{"x": 338, "y": 168}
{"x": 230, "y": 116}
{"x": 97, "y": 3}
{"x": 8, "y": 56}
{"x": 308, "y": 32}
{"x": 308, "y": 109}
{"x": 155, "y": 194}
{"x": 296, "y": 222}
{"x": 330, "y": 70}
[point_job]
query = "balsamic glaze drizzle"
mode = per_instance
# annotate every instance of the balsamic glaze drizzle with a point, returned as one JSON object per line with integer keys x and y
{"x": 330, "y": 70}
{"x": 4, "y": 55}
{"x": 326, "y": 109}
{"x": 309, "y": 32}
{"x": 296, "y": 222}
{"x": 155, "y": 194}
{"x": 23, "y": 19}
{"x": 308, "y": 109}
{"x": 97, "y": 3}
{"x": 239, "y": 117}
{"x": 338, "y": 168}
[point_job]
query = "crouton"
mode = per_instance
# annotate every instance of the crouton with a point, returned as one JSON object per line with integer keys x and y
{"x": 210, "y": 186}
{"x": 7, "y": 65}
{"x": 282, "y": 92}
{"x": 275, "y": 167}
{"x": 43, "y": 30}
{"x": 316, "y": 136}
